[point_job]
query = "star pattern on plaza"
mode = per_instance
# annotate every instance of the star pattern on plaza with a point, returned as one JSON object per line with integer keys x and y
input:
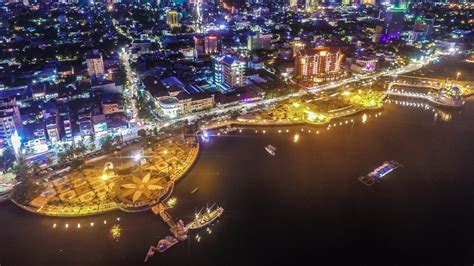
{"x": 141, "y": 187}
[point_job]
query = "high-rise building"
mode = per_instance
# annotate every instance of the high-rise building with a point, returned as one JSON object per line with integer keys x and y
{"x": 259, "y": 41}
{"x": 95, "y": 64}
{"x": 10, "y": 121}
{"x": 229, "y": 72}
{"x": 319, "y": 64}
{"x": 392, "y": 26}
{"x": 172, "y": 18}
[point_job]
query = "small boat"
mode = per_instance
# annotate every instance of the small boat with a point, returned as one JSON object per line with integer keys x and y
{"x": 194, "y": 190}
{"x": 166, "y": 243}
{"x": 163, "y": 245}
{"x": 270, "y": 149}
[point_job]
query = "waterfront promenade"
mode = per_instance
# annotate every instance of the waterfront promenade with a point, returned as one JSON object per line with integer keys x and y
{"x": 130, "y": 186}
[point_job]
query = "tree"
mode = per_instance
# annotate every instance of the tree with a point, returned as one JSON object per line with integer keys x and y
{"x": 142, "y": 133}
{"x": 107, "y": 144}
{"x": 80, "y": 149}
{"x": 7, "y": 158}
{"x": 27, "y": 189}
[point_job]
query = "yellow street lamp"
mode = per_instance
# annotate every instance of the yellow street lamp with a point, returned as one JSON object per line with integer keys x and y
{"x": 457, "y": 76}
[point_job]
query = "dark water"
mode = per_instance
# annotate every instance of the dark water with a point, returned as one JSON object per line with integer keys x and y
{"x": 303, "y": 206}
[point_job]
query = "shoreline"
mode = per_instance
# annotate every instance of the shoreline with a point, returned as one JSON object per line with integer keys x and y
{"x": 117, "y": 206}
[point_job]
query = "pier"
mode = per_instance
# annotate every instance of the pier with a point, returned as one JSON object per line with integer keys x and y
{"x": 178, "y": 229}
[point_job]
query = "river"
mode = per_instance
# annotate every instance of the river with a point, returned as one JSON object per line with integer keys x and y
{"x": 303, "y": 206}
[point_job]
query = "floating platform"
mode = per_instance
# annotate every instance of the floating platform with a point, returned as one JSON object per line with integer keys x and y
{"x": 378, "y": 173}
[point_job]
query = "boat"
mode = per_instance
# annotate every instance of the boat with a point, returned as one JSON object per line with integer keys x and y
{"x": 165, "y": 243}
{"x": 205, "y": 137}
{"x": 194, "y": 190}
{"x": 378, "y": 173}
{"x": 270, "y": 149}
{"x": 206, "y": 218}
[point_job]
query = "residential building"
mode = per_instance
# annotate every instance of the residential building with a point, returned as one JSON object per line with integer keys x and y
{"x": 95, "y": 64}
{"x": 229, "y": 72}
{"x": 319, "y": 64}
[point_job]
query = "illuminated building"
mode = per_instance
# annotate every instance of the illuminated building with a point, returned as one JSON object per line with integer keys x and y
{"x": 172, "y": 18}
{"x": 206, "y": 44}
{"x": 311, "y": 5}
{"x": 346, "y": 2}
{"x": 229, "y": 72}
{"x": 7, "y": 127}
{"x": 259, "y": 41}
{"x": 319, "y": 64}
{"x": 392, "y": 27}
{"x": 369, "y": 2}
{"x": 421, "y": 29}
{"x": 211, "y": 44}
{"x": 365, "y": 64}
{"x": 293, "y": 3}
{"x": 95, "y": 64}
{"x": 10, "y": 120}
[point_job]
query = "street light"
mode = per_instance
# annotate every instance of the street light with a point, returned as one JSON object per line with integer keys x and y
{"x": 137, "y": 157}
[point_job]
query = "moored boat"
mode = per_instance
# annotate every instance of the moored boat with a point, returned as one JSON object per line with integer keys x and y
{"x": 271, "y": 150}
{"x": 206, "y": 218}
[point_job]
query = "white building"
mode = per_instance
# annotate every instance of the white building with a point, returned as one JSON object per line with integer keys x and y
{"x": 229, "y": 72}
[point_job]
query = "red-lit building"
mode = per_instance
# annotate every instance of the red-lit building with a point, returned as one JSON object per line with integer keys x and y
{"x": 206, "y": 44}
{"x": 319, "y": 64}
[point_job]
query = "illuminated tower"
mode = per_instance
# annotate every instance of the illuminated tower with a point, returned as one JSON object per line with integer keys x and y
{"x": 172, "y": 18}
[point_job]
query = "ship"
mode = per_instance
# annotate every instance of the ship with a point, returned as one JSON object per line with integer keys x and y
{"x": 203, "y": 219}
{"x": 378, "y": 173}
{"x": 194, "y": 190}
{"x": 270, "y": 149}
